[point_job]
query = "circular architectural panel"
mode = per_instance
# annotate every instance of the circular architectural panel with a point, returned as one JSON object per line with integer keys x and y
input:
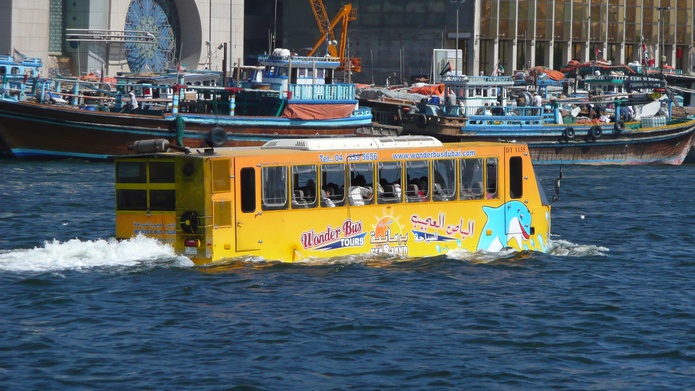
{"x": 160, "y": 19}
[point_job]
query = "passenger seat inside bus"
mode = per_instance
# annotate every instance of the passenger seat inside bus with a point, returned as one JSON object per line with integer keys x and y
{"x": 412, "y": 193}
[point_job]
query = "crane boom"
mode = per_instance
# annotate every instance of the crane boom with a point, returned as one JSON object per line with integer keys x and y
{"x": 321, "y": 16}
{"x": 346, "y": 14}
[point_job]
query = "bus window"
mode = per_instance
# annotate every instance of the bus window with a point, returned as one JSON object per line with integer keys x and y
{"x": 417, "y": 174}
{"x": 444, "y": 182}
{"x": 304, "y": 186}
{"x": 248, "y": 190}
{"x": 131, "y": 172}
{"x": 491, "y": 187}
{"x": 333, "y": 184}
{"x": 162, "y": 200}
{"x": 127, "y": 199}
{"x": 274, "y": 182}
{"x": 361, "y": 184}
{"x": 389, "y": 188}
{"x": 471, "y": 179}
{"x": 516, "y": 177}
{"x": 162, "y": 172}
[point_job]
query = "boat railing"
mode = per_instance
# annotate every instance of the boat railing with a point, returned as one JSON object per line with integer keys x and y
{"x": 16, "y": 85}
{"x": 495, "y": 111}
{"x": 479, "y": 80}
{"x": 653, "y": 70}
{"x": 295, "y": 58}
{"x": 322, "y": 91}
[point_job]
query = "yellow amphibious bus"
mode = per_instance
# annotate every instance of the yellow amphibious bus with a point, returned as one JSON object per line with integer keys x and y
{"x": 290, "y": 200}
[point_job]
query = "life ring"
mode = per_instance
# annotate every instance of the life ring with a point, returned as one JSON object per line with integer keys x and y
{"x": 619, "y": 126}
{"x": 569, "y": 132}
{"x": 595, "y": 132}
{"x": 216, "y": 137}
{"x": 189, "y": 222}
{"x": 421, "y": 120}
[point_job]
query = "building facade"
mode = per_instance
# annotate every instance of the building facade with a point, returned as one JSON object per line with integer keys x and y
{"x": 79, "y": 37}
{"x": 524, "y": 33}
{"x": 394, "y": 39}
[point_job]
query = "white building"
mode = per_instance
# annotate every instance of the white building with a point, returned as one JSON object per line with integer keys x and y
{"x": 77, "y": 37}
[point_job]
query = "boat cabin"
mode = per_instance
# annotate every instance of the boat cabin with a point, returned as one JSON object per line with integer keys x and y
{"x": 475, "y": 92}
{"x": 28, "y": 67}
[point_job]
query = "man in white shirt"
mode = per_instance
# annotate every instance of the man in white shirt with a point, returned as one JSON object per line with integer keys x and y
{"x": 537, "y": 100}
{"x": 133, "y": 101}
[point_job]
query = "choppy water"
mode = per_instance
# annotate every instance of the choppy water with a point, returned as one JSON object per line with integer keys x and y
{"x": 610, "y": 307}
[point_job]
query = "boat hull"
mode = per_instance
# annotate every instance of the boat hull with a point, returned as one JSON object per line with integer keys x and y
{"x": 33, "y": 130}
{"x": 548, "y": 144}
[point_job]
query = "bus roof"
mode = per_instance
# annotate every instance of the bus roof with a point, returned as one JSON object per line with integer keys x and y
{"x": 338, "y": 143}
{"x": 294, "y": 146}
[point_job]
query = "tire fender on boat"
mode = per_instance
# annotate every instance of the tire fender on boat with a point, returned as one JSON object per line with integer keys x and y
{"x": 527, "y": 99}
{"x": 619, "y": 126}
{"x": 216, "y": 137}
{"x": 569, "y": 132}
{"x": 421, "y": 120}
{"x": 595, "y": 132}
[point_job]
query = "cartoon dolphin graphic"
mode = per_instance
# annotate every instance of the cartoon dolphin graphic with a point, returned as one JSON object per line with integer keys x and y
{"x": 509, "y": 221}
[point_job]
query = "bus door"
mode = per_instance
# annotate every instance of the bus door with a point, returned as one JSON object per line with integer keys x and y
{"x": 249, "y": 217}
{"x": 517, "y": 215}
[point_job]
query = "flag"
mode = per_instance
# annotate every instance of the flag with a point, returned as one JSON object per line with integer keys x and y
{"x": 446, "y": 69}
{"x": 18, "y": 57}
{"x": 597, "y": 51}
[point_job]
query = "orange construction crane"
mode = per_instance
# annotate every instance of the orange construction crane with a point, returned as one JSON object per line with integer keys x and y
{"x": 345, "y": 15}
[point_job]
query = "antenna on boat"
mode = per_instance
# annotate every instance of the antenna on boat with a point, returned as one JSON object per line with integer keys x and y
{"x": 556, "y": 196}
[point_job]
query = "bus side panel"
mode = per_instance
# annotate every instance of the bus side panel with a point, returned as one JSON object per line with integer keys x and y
{"x": 223, "y": 201}
{"x": 193, "y": 208}
{"x": 160, "y": 226}
{"x": 525, "y": 218}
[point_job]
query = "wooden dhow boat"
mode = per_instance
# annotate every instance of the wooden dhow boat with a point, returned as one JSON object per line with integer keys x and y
{"x": 629, "y": 129}
{"x": 294, "y": 97}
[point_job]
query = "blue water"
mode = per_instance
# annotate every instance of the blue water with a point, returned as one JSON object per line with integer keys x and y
{"x": 611, "y": 307}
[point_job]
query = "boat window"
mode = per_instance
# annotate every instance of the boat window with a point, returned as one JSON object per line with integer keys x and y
{"x": 304, "y": 186}
{"x": 333, "y": 185}
{"x": 516, "y": 177}
{"x": 131, "y": 172}
{"x": 162, "y": 172}
{"x": 389, "y": 187}
{"x": 248, "y": 189}
{"x": 471, "y": 179}
{"x": 274, "y": 182}
{"x": 444, "y": 182}
{"x": 221, "y": 181}
{"x": 361, "y": 184}
{"x": 491, "y": 187}
{"x": 417, "y": 175}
